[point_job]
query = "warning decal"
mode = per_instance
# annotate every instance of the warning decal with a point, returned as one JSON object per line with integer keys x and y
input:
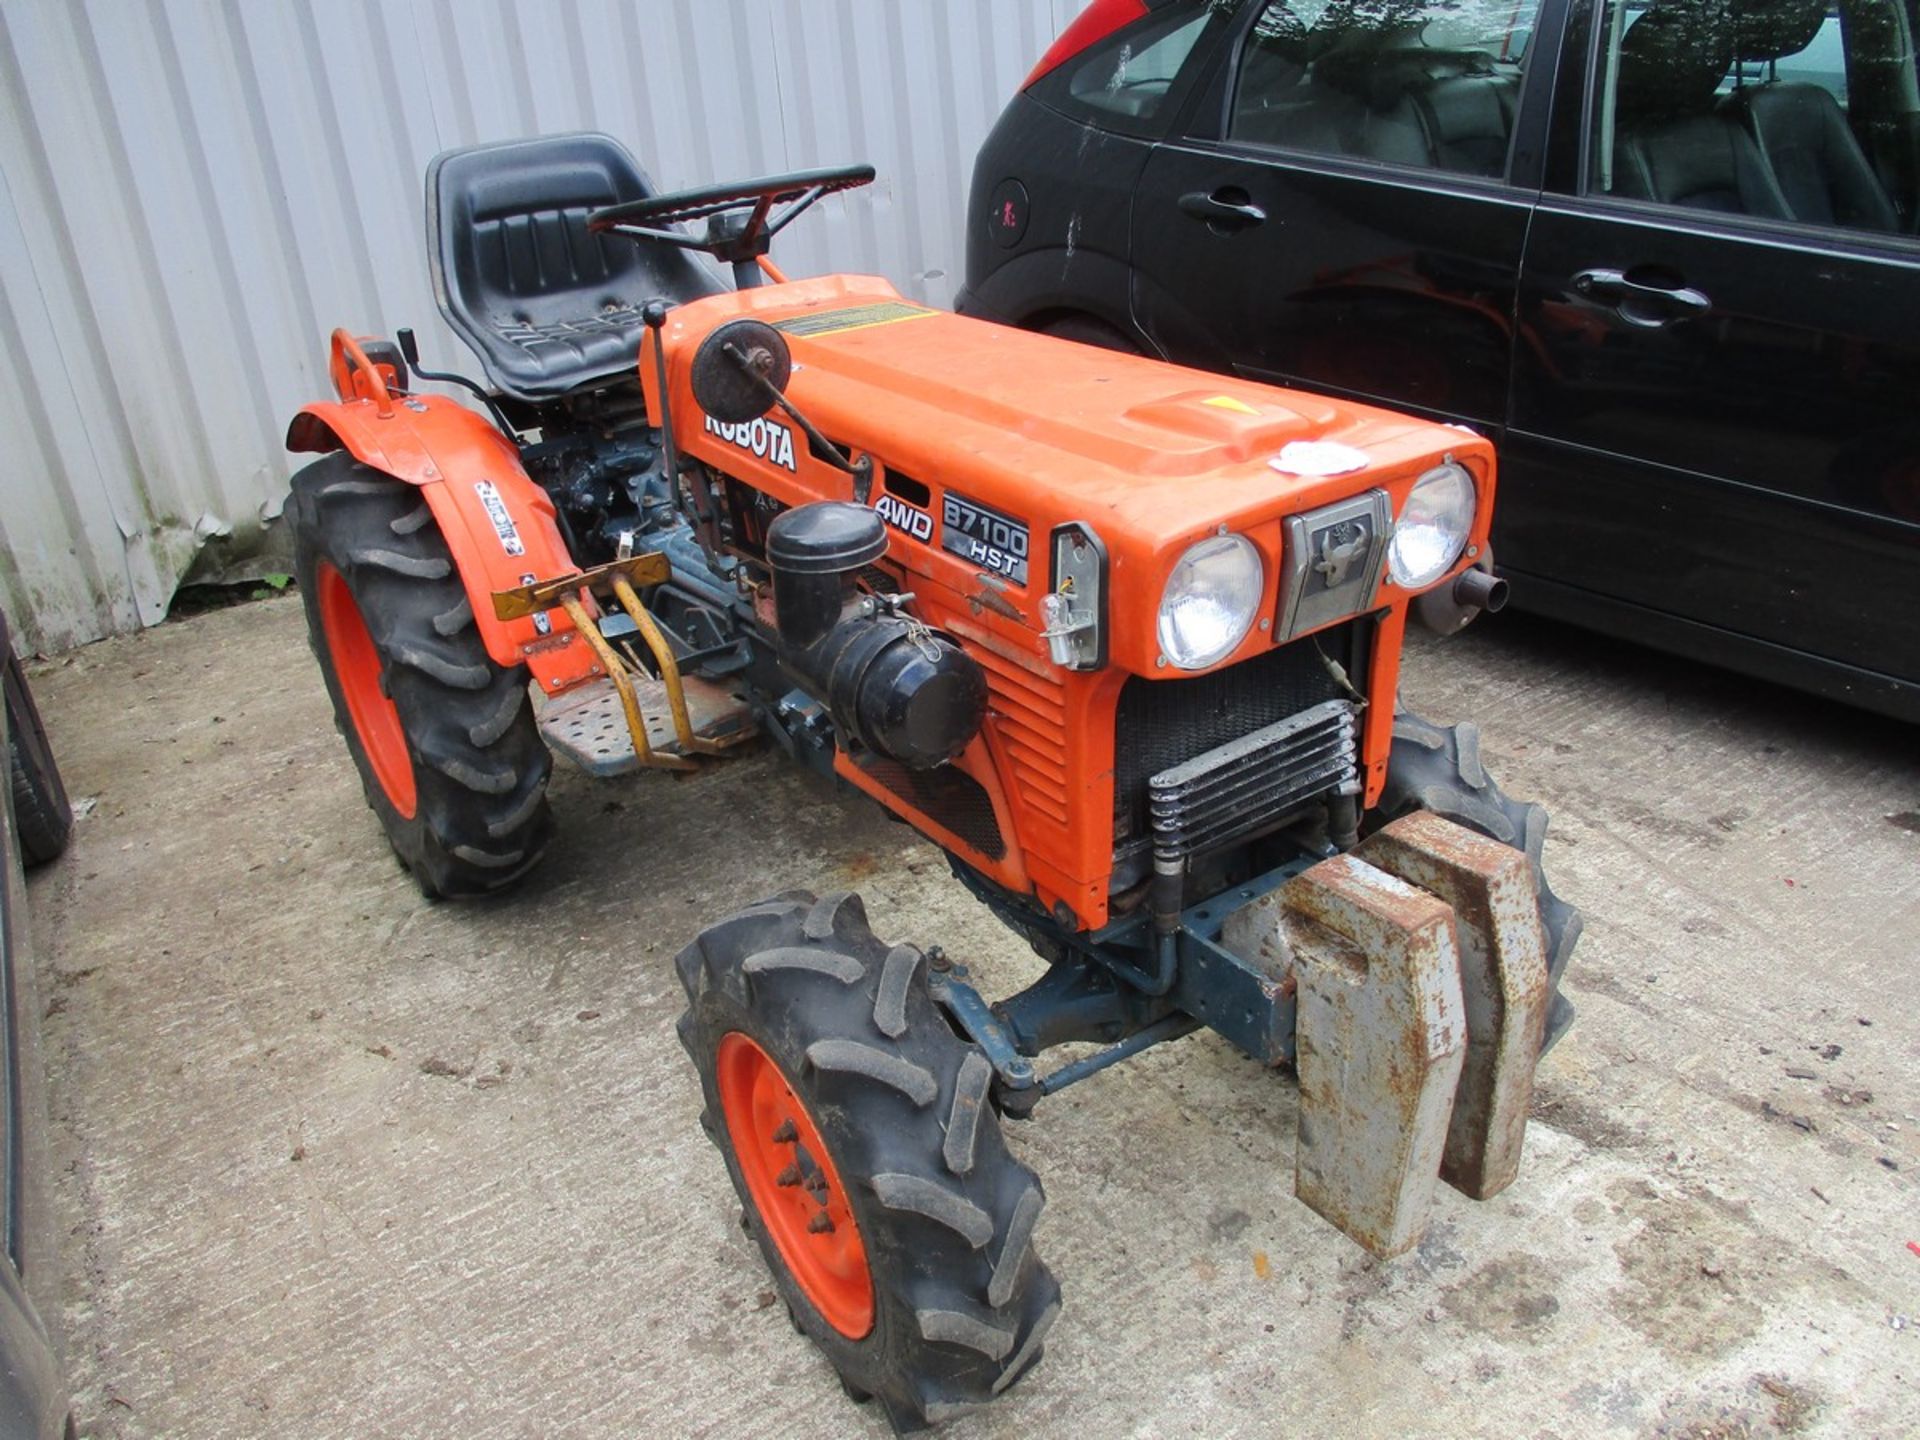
{"x": 857, "y": 317}
{"x": 501, "y": 517}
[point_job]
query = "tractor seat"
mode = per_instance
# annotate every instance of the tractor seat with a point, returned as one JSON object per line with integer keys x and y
{"x": 547, "y": 306}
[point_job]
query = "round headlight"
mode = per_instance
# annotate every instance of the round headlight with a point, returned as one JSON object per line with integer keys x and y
{"x": 1210, "y": 600}
{"x": 1433, "y": 526}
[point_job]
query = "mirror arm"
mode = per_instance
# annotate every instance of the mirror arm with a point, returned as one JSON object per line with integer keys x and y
{"x": 861, "y": 470}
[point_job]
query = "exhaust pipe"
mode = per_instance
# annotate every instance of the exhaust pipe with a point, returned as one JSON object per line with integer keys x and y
{"x": 1481, "y": 590}
{"x": 1449, "y": 609}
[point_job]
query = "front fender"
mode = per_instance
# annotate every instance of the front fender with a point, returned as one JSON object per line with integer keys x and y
{"x": 498, "y": 523}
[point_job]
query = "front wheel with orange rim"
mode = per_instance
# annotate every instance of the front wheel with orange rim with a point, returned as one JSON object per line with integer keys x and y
{"x": 795, "y": 1189}
{"x": 444, "y": 740}
{"x": 862, "y": 1140}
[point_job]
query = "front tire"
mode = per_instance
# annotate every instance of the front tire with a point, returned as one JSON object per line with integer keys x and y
{"x": 858, "y": 1129}
{"x": 443, "y": 737}
{"x": 1437, "y": 768}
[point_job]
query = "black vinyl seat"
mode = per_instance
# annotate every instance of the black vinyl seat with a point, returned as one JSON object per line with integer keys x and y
{"x": 1673, "y": 145}
{"x": 1469, "y": 121}
{"x": 1800, "y": 128}
{"x": 1380, "y": 94}
{"x": 546, "y": 305}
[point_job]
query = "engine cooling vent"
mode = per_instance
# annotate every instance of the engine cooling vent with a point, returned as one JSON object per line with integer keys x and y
{"x": 1238, "y": 789}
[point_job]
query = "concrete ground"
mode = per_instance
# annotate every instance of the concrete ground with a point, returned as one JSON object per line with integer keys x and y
{"x": 339, "y": 1162}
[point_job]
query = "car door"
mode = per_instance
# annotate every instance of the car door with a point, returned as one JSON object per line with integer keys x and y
{"x": 1344, "y": 202}
{"x": 1715, "y": 435}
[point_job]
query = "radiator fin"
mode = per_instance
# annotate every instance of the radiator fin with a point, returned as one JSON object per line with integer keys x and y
{"x": 1244, "y": 786}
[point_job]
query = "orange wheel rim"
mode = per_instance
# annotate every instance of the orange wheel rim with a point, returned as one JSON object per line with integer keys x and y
{"x": 794, "y": 1186}
{"x": 356, "y": 665}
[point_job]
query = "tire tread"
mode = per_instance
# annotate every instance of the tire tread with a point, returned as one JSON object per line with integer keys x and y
{"x": 905, "y": 1107}
{"x": 1439, "y": 768}
{"x": 481, "y": 818}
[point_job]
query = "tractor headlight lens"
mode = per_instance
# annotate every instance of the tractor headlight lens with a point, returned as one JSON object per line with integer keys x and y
{"x": 1433, "y": 526}
{"x": 1210, "y": 601}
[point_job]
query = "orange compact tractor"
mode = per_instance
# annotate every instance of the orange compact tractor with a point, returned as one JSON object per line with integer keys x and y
{"x": 1120, "y": 638}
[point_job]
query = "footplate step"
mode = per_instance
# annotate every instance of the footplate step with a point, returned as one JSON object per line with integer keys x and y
{"x": 588, "y": 726}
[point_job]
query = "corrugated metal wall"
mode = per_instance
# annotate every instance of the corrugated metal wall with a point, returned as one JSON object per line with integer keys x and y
{"x": 194, "y": 192}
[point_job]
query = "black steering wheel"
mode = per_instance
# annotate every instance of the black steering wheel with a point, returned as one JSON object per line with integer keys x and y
{"x": 740, "y": 216}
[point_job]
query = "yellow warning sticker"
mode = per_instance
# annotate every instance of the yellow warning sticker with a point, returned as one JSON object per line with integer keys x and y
{"x": 1227, "y": 402}
{"x": 856, "y": 317}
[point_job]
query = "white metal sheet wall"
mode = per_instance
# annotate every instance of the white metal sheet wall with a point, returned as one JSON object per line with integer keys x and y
{"x": 194, "y": 192}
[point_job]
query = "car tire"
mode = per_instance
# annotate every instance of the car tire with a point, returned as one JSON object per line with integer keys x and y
{"x": 42, "y": 816}
{"x": 1086, "y": 330}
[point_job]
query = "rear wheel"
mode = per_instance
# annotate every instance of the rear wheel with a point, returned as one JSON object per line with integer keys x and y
{"x": 443, "y": 737}
{"x": 1086, "y": 330}
{"x": 1437, "y": 768}
{"x": 860, "y": 1135}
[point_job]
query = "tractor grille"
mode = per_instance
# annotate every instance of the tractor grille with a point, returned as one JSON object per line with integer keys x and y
{"x": 1162, "y": 724}
{"x": 1240, "y": 788}
{"x": 948, "y": 796}
{"x": 1030, "y": 715}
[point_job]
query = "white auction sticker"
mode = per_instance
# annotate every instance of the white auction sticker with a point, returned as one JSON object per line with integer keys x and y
{"x": 1318, "y": 457}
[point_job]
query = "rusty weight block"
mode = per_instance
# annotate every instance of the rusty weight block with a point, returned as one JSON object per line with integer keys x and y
{"x": 1380, "y": 1037}
{"x": 1503, "y": 981}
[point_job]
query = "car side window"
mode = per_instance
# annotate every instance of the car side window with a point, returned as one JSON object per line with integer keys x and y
{"x": 1131, "y": 77}
{"x": 1430, "y": 83}
{"x": 1797, "y": 110}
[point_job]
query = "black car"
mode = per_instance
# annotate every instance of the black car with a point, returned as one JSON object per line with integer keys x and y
{"x": 1662, "y": 251}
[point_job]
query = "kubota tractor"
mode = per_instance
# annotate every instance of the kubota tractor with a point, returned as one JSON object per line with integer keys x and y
{"x": 1121, "y": 638}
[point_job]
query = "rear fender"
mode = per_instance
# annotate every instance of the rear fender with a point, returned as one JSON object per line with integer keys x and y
{"x": 498, "y": 523}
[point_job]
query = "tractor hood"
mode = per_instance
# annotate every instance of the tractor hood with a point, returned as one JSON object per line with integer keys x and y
{"x": 1133, "y": 445}
{"x": 989, "y": 440}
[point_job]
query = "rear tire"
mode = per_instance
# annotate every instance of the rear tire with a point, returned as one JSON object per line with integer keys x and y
{"x": 1085, "y": 330}
{"x": 443, "y": 737}
{"x": 958, "y": 1305}
{"x": 1437, "y": 768}
{"x": 42, "y": 816}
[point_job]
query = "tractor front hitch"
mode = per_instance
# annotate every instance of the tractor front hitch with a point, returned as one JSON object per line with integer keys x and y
{"x": 1406, "y": 981}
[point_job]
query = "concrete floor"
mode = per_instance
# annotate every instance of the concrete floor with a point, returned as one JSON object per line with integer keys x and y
{"x": 339, "y": 1162}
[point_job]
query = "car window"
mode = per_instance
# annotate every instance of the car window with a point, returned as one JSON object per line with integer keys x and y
{"x": 1131, "y": 76}
{"x": 1432, "y": 83}
{"x": 1822, "y": 62}
{"x": 1797, "y": 110}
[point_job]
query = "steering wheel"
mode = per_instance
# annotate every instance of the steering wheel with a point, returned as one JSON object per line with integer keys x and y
{"x": 740, "y": 216}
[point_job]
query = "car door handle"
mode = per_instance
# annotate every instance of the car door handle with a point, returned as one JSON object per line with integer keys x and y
{"x": 1226, "y": 209}
{"x": 1647, "y": 297}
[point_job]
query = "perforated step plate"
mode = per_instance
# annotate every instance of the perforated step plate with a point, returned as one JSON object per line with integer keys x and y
{"x": 588, "y": 726}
